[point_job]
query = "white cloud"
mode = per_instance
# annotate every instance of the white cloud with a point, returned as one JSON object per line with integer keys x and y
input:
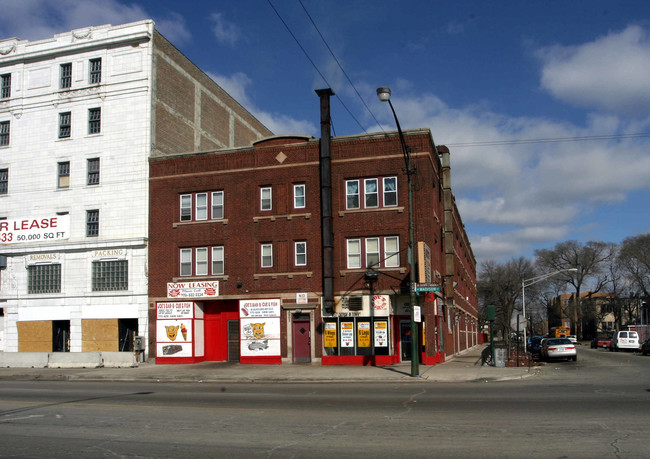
{"x": 224, "y": 31}
{"x": 609, "y": 73}
{"x": 236, "y": 85}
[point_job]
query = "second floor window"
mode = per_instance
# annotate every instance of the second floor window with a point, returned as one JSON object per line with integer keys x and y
{"x": 202, "y": 261}
{"x": 93, "y": 171}
{"x": 92, "y": 223}
{"x": 65, "y": 79}
{"x": 5, "y": 86}
{"x": 373, "y": 252}
{"x": 4, "y": 181}
{"x": 64, "y": 124}
{"x": 299, "y": 196}
{"x": 266, "y": 198}
{"x": 95, "y": 76}
{"x": 94, "y": 120}
{"x": 300, "y": 253}
{"x": 63, "y": 180}
{"x": 4, "y": 133}
{"x": 266, "y": 255}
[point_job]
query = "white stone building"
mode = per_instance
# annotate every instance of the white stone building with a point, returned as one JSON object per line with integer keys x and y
{"x": 80, "y": 115}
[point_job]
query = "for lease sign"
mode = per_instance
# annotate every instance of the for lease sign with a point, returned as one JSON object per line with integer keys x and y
{"x": 34, "y": 229}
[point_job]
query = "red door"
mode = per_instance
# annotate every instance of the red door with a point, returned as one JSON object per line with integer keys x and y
{"x": 301, "y": 340}
{"x": 217, "y": 316}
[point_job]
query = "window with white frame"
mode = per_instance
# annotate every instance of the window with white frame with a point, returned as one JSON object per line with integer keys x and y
{"x": 217, "y": 260}
{"x": 92, "y": 175}
{"x": 63, "y": 179}
{"x": 201, "y": 266}
{"x": 4, "y": 181}
{"x": 217, "y": 205}
{"x": 44, "y": 278}
{"x": 266, "y": 198}
{"x": 64, "y": 125}
{"x": 300, "y": 249}
{"x": 373, "y": 252}
{"x": 371, "y": 193}
{"x": 352, "y": 194}
{"x": 267, "y": 255}
{"x": 299, "y": 196}
{"x": 94, "y": 120}
{"x": 186, "y": 262}
{"x": 5, "y": 86}
{"x": 110, "y": 275}
{"x": 5, "y": 127}
{"x": 390, "y": 191}
{"x": 201, "y": 206}
{"x": 65, "y": 76}
{"x": 186, "y": 207}
{"x": 95, "y": 67}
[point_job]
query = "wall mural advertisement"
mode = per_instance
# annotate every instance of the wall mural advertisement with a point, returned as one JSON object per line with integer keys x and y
{"x": 260, "y": 328}
{"x": 174, "y": 329}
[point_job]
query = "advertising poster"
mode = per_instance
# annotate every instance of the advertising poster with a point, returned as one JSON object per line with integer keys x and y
{"x": 347, "y": 334}
{"x": 330, "y": 334}
{"x": 259, "y": 322}
{"x": 363, "y": 334}
{"x": 174, "y": 338}
{"x": 381, "y": 334}
{"x": 175, "y": 310}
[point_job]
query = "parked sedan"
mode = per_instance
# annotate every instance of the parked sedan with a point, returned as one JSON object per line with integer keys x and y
{"x": 559, "y": 348}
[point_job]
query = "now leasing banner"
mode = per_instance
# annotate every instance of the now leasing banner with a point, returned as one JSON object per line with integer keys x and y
{"x": 208, "y": 289}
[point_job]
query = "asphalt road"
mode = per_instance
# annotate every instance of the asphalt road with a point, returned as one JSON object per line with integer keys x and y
{"x": 597, "y": 407}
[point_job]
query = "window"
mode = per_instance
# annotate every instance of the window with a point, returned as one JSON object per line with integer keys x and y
{"x": 377, "y": 252}
{"x": 64, "y": 125}
{"x": 217, "y": 260}
{"x": 196, "y": 261}
{"x": 110, "y": 275}
{"x": 372, "y": 252}
{"x": 4, "y": 133}
{"x": 186, "y": 262}
{"x": 94, "y": 120}
{"x": 371, "y": 193}
{"x": 63, "y": 180}
{"x": 95, "y": 76}
{"x": 201, "y": 206}
{"x": 354, "y": 253}
{"x": 66, "y": 76}
{"x": 92, "y": 223}
{"x": 201, "y": 268}
{"x": 265, "y": 198}
{"x": 391, "y": 251}
{"x": 5, "y": 86}
{"x": 92, "y": 177}
{"x": 299, "y": 196}
{"x": 44, "y": 278}
{"x": 4, "y": 181}
{"x": 217, "y": 205}
{"x": 300, "y": 253}
{"x": 390, "y": 191}
{"x": 267, "y": 255}
{"x": 352, "y": 194}
{"x": 186, "y": 207}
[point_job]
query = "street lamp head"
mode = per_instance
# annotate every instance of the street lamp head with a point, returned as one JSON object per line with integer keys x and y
{"x": 383, "y": 92}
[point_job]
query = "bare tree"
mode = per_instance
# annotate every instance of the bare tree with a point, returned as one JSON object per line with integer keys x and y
{"x": 587, "y": 258}
{"x": 634, "y": 258}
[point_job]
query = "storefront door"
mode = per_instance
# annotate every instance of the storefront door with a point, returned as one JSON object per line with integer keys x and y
{"x": 405, "y": 338}
{"x": 301, "y": 339}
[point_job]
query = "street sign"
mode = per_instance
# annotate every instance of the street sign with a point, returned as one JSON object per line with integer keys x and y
{"x": 422, "y": 288}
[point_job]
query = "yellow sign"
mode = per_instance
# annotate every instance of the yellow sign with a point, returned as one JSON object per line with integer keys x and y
{"x": 363, "y": 333}
{"x": 330, "y": 334}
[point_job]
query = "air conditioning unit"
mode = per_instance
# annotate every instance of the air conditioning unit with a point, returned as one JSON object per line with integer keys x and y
{"x": 355, "y": 303}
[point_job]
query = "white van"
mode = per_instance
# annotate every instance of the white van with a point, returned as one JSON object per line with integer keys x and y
{"x": 624, "y": 340}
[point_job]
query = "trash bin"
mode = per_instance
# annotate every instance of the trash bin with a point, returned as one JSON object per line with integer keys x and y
{"x": 499, "y": 357}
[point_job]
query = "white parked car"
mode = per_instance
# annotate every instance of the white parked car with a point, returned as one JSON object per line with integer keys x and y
{"x": 572, "y": 338}
{"x": 624, "y": 340}
{"x": 558, "y": 348}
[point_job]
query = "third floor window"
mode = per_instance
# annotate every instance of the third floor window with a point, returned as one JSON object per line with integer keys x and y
{"x": 371, "y": 193}
{"x": 65, "y": 78}
{"x": 95, "y": 76}
{"x": 5, "y": 86}
{"x": 202, "y": 206}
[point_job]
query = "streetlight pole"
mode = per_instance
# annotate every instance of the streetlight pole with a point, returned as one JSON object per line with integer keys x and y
{"x": 527, "y": 283}
{"x": 383, "y": 93}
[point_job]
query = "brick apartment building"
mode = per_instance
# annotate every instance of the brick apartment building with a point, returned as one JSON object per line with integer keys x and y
{"x": 295, "y": 250}
{"x": 80, "y": 115}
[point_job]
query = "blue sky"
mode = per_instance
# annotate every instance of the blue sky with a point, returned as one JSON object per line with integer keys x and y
{"x": 479, "y": 74}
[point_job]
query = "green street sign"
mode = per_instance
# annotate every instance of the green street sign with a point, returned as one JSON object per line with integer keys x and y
{"x": 423, "y": 288}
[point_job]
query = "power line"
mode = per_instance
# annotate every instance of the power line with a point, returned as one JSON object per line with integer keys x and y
{"x": 549, "y": 140}
{"x": 312, "y": 62}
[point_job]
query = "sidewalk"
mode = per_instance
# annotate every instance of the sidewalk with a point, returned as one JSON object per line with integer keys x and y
{"x": 465, "y": 367}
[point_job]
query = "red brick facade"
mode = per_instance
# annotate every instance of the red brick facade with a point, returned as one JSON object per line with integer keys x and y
{"x": 376, "y": 231}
